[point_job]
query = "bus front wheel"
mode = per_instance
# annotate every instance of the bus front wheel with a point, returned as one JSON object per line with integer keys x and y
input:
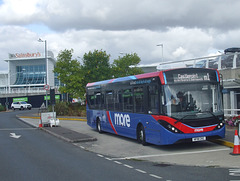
{"x": 141, "y": 137}
{"x": 99, "y": 129}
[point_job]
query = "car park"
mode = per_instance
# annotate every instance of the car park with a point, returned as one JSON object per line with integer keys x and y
{"x": 21, "y": 105}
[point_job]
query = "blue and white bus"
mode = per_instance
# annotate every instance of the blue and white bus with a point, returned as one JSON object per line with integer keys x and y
{"x": 166, "y": 107}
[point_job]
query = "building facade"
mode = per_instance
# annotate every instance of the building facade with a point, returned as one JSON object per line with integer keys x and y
{"x": 28, "y": 73}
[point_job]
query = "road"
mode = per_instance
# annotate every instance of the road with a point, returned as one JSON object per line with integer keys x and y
{"x": 28, "y": 153}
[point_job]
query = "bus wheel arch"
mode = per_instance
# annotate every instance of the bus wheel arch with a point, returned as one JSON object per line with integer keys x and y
{"x": 98, "y": 125}
{"x": 141, "y": 136}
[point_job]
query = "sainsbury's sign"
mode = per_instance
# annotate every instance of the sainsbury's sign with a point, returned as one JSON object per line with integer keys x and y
{"x": 24, "y": 55}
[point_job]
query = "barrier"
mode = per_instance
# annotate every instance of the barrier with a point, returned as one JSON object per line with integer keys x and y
{"x": 49, "y": 119}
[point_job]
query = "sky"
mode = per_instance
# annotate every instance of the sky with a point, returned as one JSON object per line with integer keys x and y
{"x": 187, "y": 29}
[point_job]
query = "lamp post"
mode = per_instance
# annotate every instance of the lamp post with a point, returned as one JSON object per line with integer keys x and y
{"x": 45, "y": 42}
{"x": 161, "y": 45}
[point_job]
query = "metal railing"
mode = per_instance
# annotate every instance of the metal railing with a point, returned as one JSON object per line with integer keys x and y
{"x": 24, "y": 91}
{"x": 231, "y": 112}
{"x": 223, "y": 61}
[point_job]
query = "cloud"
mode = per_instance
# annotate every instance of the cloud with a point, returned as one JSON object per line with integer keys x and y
{"x": 61, "y": 15}
{"x": 186, "y": 28}
{"x": 179, "y": 52}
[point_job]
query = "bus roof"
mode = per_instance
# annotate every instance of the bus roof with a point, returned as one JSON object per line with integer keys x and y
{"x": 159, "y": 74}
{"x": 132, "y": 77}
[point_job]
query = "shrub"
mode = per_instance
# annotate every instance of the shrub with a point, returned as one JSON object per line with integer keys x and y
{"x": 2, "y": 108}
{"x": 61, "y": 108}
{"x": 69, "y": 109}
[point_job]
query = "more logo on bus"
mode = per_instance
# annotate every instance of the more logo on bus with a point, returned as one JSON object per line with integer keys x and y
{"x": 122, "y": 119}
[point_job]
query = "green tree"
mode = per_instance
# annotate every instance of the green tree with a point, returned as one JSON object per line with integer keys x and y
{"x": 96, "y": 66}
{"x": 69, "y": 74}
{"x": 126, "y": 65}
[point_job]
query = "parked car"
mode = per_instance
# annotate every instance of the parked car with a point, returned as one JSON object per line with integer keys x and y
{"x": 21, "y": 105}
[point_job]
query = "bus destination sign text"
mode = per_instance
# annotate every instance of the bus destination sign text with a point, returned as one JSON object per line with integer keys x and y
{"x": 177, "y": 78}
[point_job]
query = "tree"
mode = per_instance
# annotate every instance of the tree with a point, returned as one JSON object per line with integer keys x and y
{"x": 96, "y": 66}
{"x": 126, "y": 65}
{"x": 69, "y": 74}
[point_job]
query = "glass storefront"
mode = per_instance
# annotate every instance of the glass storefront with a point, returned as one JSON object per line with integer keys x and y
{"x": 30, "y": 74}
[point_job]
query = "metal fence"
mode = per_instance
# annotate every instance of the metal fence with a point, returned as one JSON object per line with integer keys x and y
{"x": 223, "y": 61}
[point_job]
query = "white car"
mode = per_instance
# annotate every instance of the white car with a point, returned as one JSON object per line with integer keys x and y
{"x": 21, "y": 105}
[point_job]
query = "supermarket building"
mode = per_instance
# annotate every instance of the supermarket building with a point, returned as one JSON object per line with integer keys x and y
{"x": 27, "y": 77}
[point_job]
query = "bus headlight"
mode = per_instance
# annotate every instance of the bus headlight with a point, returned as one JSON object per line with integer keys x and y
{"x": 219, "y": 126}
{"x": 169, "y": 127}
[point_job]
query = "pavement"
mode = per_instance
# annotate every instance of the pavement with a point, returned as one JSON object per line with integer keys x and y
{"x": 58, "y": 131}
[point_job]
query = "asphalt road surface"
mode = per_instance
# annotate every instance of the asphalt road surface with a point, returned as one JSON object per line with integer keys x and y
{"x": 27, "y": 153}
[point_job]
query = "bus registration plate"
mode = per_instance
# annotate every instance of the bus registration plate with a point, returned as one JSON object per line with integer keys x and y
{"x": 199, "y": 139}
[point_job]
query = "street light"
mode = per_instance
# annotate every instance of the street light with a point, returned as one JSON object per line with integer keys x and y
{"x": 162, "y": 49}
{"x": 45, "y": 41}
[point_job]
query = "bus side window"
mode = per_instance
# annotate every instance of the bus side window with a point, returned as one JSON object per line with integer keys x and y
{"x": 109, "y": 100}
{"x": 103, "y": 106}
{"x": 118, "y": 101}
{"x": 138, "y": 100}
{"x": 90, "y": 100}
{"x": 153, "y": 99}
{"x": 127, "y": 100}
{"x": 98, "y": 96}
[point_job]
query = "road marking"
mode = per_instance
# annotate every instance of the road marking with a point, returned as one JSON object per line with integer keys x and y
{"x": 100, "y": 155}
{"x": 170, "y": 154}
{"x": 141, "y": 171}
{"x": 128, "y": 166}
{"x": 155, "y": 176}
{"x": 17, "y": 129}
{"x": 13, "y": 135}
{"x": 234, "y": 172}
{"x": 117, "y": 162}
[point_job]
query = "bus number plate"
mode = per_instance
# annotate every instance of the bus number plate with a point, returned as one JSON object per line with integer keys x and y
{"x": 199, "y": 139}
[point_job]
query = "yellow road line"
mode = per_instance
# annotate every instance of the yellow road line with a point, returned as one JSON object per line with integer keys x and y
{"x": 223, "y": 142}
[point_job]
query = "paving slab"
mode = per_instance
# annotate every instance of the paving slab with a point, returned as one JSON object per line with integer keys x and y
{"x": 68, "y": 135}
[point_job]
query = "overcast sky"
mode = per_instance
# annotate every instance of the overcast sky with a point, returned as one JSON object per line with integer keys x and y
{"x": 186, "y": 28}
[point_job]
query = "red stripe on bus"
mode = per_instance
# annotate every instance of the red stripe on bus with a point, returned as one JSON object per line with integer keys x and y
{"x": 182, "y": 127}
{"x": 110, "y": 121}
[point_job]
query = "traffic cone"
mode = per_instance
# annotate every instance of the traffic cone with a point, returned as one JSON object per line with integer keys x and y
{"x": 236, "y": 148}
{"x": 40, "y": 123}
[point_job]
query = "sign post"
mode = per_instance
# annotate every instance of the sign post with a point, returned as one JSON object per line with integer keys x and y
{"x": 46, "y": 87}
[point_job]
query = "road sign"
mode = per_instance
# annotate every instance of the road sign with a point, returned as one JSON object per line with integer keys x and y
{"x": 46, "y": 87}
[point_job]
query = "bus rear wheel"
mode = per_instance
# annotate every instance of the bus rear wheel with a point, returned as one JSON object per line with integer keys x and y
{"x": 99, "y": 129}
{"x": 141, "y": 137}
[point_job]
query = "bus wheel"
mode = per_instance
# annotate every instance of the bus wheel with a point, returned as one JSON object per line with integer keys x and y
{"x": 141, "y": 137}
{"x": 99, "y": 129}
